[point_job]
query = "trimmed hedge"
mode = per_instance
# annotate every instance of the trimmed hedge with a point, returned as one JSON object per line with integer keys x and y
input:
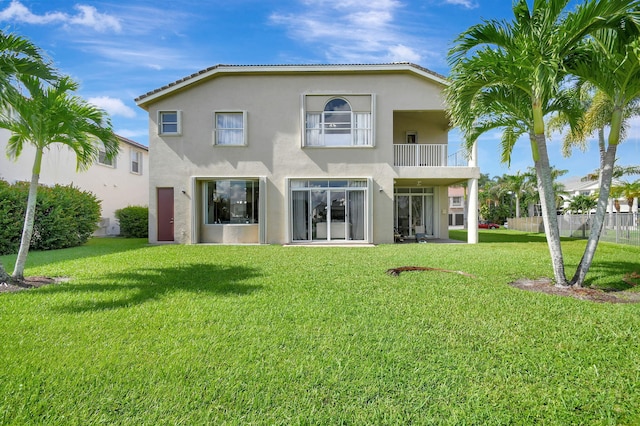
{"x": 65, "y": 216}
{"x": 134, "y": 221}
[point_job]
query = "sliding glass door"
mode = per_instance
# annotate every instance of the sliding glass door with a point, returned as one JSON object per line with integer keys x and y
{"x": 328, "y": 210}
{"x": 413, "y": 211}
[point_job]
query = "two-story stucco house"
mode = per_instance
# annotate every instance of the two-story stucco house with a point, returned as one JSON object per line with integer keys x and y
{"x": 302, "y": 154}
{"x": 117, "y": 183}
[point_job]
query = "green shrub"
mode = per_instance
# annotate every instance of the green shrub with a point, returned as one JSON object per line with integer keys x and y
{"x": 65, "y": 216}
{"x": 134, "y": 221}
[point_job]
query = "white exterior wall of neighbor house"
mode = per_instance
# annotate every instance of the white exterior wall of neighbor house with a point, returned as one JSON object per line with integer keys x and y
{"x": 576, "y": 186}
{"x": 116, "y": 187}
{"x": 273, "y": 100}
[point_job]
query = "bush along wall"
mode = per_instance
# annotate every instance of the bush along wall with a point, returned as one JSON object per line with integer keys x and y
{"x": 134, "y": 221}
{"x": 65, "y": 216}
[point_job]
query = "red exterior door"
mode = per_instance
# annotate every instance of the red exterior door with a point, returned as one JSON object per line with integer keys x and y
{"x": 165, "y": 214}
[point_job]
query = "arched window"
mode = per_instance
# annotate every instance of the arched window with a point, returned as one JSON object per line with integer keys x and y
{"x": 336, "y": 120}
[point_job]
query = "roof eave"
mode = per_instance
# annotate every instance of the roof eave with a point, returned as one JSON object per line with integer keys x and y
{"x": 149, "y": 97}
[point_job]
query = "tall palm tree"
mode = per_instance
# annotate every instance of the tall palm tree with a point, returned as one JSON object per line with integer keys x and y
{"x": 52, "y": 114}
{"x": 523, "y": 63}
{"x": 18, "y": 56}
{"x": 610, "y": 61}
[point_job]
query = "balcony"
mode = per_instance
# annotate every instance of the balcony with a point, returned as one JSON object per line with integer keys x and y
{"x": 427, "y": 155}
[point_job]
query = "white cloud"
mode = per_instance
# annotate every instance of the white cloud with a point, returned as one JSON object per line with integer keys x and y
{"x": 352, "y": 30}
{"x": 113, "y": 106}
{"x": 401, "y": 53}
{"x": 16, "y": 11}
{"x": 87, "y": 16}
{"x": 138, "y": 54}
{"x": 469, "y": 4}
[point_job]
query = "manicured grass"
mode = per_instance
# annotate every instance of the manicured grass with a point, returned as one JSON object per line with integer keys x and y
{"x": 304, "y": 335}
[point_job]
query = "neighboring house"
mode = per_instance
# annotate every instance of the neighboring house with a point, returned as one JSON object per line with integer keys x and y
{"x": 118, "y": 183}
{"x": 576, "y": 186}
{"x": 456, "y": 206}
{"x": 290, "y": 154}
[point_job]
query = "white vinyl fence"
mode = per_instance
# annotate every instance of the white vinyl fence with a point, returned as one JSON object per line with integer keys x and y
{"x": 621, "y": 228}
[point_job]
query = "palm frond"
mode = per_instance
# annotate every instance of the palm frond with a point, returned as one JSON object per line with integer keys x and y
{"x": 52, "y": 114}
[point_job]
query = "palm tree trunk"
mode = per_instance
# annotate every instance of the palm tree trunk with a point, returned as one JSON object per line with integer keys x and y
{"x": 601, "y": 149}
{"x": 549, "y": 215}
{"x": 607, "y": 161}
{"x": 517, "y": 206}
{"x": 29, "y": 218}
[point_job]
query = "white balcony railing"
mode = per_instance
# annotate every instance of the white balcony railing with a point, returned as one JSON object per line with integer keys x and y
{"x": 427, "y": 155}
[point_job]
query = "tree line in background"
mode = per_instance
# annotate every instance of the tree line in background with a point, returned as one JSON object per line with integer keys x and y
{"x": 39, "y": 107}
{"x": 578, "y": 66}
{"x": 515, "y": 196}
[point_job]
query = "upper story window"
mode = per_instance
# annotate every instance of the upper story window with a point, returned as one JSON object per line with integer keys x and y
{"x": 230, "y": 128}
{"x": 169, "y": 123}
{"x": 456, "y": 201}
{"x": 136, "y": 162}
{"x": 102, "y": 159}
{"x": 341, "y": 121}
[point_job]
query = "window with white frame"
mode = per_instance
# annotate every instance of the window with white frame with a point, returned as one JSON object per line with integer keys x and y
{"x": 105, "y": 161}
{"x": 136, "y": 162}
{"x": 169, "y": 123}
{"x": 229, "y": 128}
{"x": 335, "y": 121}
{"x": 456, "y": 201}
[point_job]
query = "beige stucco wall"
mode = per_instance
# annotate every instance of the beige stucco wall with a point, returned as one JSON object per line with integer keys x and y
{"x": 274, "y": 109}
{"x": 114, "y": 187}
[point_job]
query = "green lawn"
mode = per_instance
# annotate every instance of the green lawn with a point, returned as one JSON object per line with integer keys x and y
{"x": 305, "y": 335}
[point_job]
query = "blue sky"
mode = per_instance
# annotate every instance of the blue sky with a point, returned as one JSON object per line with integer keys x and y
{"x": 120, "y": 50}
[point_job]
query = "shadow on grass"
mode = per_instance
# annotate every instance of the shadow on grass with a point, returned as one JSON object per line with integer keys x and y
{"x": 123, "y": 290}
{"x": 95, "y": 247}
{"x": 504, "y": 236}
{"x": 610, "y": 275}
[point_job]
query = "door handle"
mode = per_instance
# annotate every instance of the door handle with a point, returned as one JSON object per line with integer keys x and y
{"x": 171, "y": 220}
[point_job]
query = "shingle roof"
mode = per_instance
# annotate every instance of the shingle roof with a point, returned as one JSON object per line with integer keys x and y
{"x": 133, "y": 143}
{"x": 140, "y": 100}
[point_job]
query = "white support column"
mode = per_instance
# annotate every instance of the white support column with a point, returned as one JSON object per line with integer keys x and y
{"x": 472, "y": 212}
{"x": 472, "y": 202}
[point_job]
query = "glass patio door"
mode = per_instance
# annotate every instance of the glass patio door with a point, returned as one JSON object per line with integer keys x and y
{"x": 328, "y": 214}
{"x": 300, "y": 213}
{"x": 413, "y": 212}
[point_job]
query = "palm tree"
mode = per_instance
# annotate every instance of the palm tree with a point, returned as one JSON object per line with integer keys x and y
{"x": 18, "y": 56}
{"x": 50, "y": 115}
{"x": 531, "y": 194}
{"x": 618, "y": 172}
{"x": 582, "y": 204}
{"x": 520, "y": 65}
{"x": 610, "y": 61}
{"x": 515, "y": 184}
{"x": 489, "y": 193}
{"x": 629, "y": 190}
